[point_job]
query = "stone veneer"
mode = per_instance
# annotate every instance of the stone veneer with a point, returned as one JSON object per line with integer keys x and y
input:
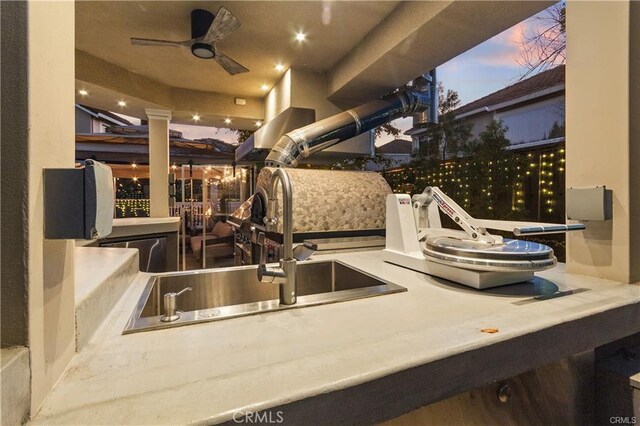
{"x": 332, "y": 200}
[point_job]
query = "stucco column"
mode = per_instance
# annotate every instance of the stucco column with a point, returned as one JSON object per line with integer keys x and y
{"x": 38, "y": 64}
{"x": 159, "y": 161}
{"x": 602, "y": 114}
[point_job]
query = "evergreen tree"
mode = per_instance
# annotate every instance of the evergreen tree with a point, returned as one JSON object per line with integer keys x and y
{"x": 387, "y": 128}
{"x": 446, "y": 138}
{"x": 243, "y": 135}
{"x": 489, "y": 172}
{"x": 491, "y": 143}
{"x": 557, "y": 130}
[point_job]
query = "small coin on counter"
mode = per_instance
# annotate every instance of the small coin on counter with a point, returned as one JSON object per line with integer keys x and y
{"x": 489, "y": 330}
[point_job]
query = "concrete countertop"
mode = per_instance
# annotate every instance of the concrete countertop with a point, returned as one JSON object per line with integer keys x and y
{"x": 136, "y": 221}
{"x": 359, "y": 361}
{"x": 102, "y": 276}
{"x": 635, "y": 381}
{"x": 93, "y": 265}
{"x": 131, "y": 226}
{"x": 15, "y": 375}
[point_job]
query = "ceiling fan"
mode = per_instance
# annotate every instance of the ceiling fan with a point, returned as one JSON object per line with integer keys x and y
{"x": 206, "y": 31}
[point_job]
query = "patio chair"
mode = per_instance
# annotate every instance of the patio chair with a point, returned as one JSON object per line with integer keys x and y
{"x": 219, "y": 242}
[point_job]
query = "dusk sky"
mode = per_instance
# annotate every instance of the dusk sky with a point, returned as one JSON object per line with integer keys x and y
{"x": 482, "y": 70}
{"x": 488, "y": 67}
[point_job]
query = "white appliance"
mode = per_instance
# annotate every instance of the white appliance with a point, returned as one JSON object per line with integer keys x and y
{"x": 415, "y": 239}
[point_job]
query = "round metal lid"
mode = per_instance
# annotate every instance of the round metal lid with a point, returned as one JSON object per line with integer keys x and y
{"x": 512, "y": 255}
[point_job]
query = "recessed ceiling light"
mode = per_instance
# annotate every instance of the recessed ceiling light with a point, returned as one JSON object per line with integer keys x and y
{"x": 173, "y": 167}
{"x": 227, "y": 121}
{"x": 300, "y": 36}
{"x": 279, "y": 67}
{"x": 122, "y": 103}
{"x": 135, "y": 179}
{"x": 83, "y": 92}
{"x": 196, "y": 117}
{"x": 264, "y": 87}
{"x": 258, "y": 123}
{"x": 134, "y": 165}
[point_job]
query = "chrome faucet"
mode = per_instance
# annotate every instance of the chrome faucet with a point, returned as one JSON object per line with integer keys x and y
{"x": 285, "y": 274}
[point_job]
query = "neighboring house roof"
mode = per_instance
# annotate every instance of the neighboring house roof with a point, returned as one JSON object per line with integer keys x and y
{"x": 142, "y": 129}
{"x": 396, "y": 146}
{"x": 540, "y": 84}
{"x": 104, "y": 115}
{"x": 176, "y": 144}
{"x": 218, "y": 145}
{"x": 139, "y": 135}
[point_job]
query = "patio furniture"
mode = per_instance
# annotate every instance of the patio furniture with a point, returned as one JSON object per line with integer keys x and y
{"x": 219, "y": 242}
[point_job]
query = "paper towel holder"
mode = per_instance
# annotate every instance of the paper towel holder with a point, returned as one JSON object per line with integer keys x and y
{"x": 78, "y": 203}
{"x": 593, "y": 203}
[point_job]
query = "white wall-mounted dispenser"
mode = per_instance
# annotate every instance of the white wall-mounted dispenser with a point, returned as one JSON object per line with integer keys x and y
{"x": 78, "y": 203}
{"x": 589, "y": 203}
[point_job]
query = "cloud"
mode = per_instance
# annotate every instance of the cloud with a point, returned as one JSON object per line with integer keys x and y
{"x": 488, "y": 67}
{"x": 501, "y": 50}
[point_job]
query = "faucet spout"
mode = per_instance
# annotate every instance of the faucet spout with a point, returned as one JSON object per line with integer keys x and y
{"x": 281, "y": 176}
{"x": 285, "y": 275}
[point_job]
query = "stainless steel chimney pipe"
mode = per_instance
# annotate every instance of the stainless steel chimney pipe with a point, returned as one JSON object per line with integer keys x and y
{"x": 428, "y": 84}
{"x": 301, "y": 143}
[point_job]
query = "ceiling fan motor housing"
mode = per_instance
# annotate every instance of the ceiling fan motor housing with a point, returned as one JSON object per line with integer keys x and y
{"x": 200, "y": 22}
{"x": 202, "y": 50}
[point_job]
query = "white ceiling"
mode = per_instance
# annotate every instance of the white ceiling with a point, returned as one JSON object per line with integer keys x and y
{"x": 266, "y": 37}
{"x": 364, "y": 48}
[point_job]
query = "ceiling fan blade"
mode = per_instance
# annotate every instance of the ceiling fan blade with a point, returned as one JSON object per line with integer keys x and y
{"x": 231, "y": 66}
{"x": 223, "y": 24}
{"x": 151, "y": 42}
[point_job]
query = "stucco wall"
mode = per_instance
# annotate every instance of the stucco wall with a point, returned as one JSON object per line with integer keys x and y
{"x": 14, "y": 174}
{"x": 51, "y": 144}
{"x": 634, "y": 142}
{"x": 279, "y": 97}
{"x": 599, "y": 141}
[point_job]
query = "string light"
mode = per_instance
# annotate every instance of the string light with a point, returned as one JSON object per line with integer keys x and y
{"x": 536, "y": 180}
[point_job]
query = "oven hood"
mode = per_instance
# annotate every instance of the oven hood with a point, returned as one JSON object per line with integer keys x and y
{"x": 258, "y": 145}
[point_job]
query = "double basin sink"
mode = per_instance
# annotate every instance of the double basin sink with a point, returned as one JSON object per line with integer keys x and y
{"x": 235, "y": 292}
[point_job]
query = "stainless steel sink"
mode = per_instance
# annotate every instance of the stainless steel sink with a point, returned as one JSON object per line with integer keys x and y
{"x": 233, "y": 292}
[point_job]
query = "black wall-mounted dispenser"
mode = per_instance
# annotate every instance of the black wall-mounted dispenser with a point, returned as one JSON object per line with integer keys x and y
{"x": 78, "y": 203}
